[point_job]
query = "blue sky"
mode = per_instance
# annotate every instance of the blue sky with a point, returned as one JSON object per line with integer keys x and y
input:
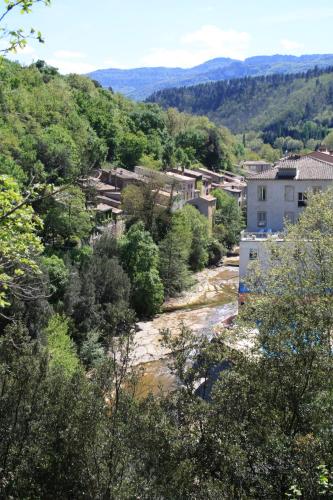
{"x": 83, "y": 35}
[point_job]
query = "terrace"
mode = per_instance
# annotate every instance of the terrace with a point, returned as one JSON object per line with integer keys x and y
{"x": 263, "y": 234}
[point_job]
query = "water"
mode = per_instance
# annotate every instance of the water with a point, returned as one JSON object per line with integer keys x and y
{"x": 203, "y": 309}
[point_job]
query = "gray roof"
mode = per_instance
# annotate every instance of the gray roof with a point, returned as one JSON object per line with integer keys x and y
{"x": 306, "y": 167}
{"x": 256, "y": 162}
{"x": 319, "y": 155}
{"x": 124, "y": 173}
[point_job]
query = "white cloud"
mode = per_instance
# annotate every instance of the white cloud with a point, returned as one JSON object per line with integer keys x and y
{"x": 25, "y": 55}
{"x": 206, "y": 43}
{"x": 26, "y": 51}
{"x": 291, "y": 45}
{"x": 70, "y": 61}
{"x": 68, "y": 54}
{"x": 66, "y": 66}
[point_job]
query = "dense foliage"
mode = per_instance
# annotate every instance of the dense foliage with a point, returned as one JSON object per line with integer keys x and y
{"x": 239, "y": 423}
{"x": 294, "y": 107}
{"x": 243, "y": 424}
{"x": 57, "y": 128}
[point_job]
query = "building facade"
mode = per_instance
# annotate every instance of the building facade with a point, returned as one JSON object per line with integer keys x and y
{"x": 274, "y": 197}
{"x": 280, "y": 193}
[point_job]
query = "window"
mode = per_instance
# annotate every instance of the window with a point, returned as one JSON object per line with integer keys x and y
{"x": 289, "y": 193}
{"x": 262, "y": 193}
{"x": 302, "y": 197}
{"x": 261, "y": 219}
{"x": 290, "y": 216}
{"x": 253, "y": 254}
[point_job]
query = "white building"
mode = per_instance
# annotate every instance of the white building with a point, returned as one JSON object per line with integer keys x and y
{"x": 280, "y": 193}
{"x": 277, "y": 195}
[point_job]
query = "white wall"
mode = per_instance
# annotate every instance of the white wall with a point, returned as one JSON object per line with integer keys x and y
{"x": 275, "y": 205}
{"x": 262, "y": 249}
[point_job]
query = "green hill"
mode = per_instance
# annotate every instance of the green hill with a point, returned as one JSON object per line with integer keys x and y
{"x": 57, "y": 128}
{"x": 299, "y": 106}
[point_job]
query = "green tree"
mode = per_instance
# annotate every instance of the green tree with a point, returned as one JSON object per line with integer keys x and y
{"x": 60, "y": 345}
{"x": 67, "y": 220}
{"x": 18, "y": 38}
{"x": 328, "y": 141}
{"x": 142, "y": 203}
{"x": 228, "y": 219}
{"x": 198, "y": 224}
{"x": 19, "y": 243}
{"x": 140, "y": 258}
{"x": 131, "y": 149}
{"x": 58, "y": 275}
{"x": 174, "y": 257}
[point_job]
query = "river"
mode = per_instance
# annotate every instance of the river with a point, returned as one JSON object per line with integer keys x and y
{"x": 203, "y": 308}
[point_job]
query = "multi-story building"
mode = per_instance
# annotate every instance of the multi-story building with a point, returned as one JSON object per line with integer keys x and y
{"x": 277, "y": 195}
{"x": 281, "y": 192}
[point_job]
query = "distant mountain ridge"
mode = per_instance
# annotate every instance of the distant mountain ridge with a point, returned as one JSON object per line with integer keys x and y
{"x": 139, "y": 83}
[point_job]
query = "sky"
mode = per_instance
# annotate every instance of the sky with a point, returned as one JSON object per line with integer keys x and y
{"x": 84, "y": 35}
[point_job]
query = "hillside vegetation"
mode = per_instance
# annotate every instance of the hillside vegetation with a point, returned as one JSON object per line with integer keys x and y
{"x": 73, "y": 422}
{"x": 59, "y": 127}
{"x": 55, "y": 131}
{"x": 139, "y": 83}
{"x": 298, "y": 106}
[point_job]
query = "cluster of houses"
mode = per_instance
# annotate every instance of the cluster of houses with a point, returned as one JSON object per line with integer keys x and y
{"x": 270, "y": 194}
{"x": 174, "y": 188}
{"x": 277, "y": 194}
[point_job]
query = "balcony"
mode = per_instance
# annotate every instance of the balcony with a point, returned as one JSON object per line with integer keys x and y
{"x": 264, "y": 234}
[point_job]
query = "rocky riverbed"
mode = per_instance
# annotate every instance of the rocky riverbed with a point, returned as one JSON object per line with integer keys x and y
{"x": 203, "y": 308}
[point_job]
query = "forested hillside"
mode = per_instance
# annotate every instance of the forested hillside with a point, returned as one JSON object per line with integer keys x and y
{"x": 297, "y": 106}
{"x": 59, "y": 127}
{"x": 55, "y": 131}
{"x": 139, "y": 83}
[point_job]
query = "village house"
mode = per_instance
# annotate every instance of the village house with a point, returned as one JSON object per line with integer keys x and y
{"x": 233, "y": 184}
{"x": 119, "y": 177}
{"x": 179, "y": 187}
{"x": 256, "y": 166}
{"x": 184, "y": 188}
{"x": 174, "y": 189}
{"x": 278, "y": 195}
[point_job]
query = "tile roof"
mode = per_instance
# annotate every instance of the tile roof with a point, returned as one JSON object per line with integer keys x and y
{"x": 187, "y": 172}
{"x": 321, "y": 156}
{"x": 307, "y": 168}
{"x": 180, "y": 177}
{"x": 256, "y": 162}
{"x": 124, "y": 173}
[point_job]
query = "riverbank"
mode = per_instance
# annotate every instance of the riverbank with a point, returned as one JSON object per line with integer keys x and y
{"x": 203, "y": 308}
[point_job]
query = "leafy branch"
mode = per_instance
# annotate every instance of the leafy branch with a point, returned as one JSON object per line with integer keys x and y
{"x": 18, "y": 38}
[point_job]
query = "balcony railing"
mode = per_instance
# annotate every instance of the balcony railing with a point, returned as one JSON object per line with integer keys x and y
{"x": 261, "y": 235}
